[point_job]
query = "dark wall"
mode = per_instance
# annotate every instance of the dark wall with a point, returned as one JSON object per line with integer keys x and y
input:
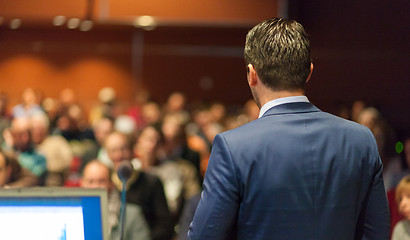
{"x": 51, "y": 59}
{"x": 360, "y": 51}
{"x": 203, "y": 62}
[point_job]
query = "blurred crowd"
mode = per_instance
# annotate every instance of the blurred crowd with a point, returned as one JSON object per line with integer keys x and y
{"x": 48, "y": 142}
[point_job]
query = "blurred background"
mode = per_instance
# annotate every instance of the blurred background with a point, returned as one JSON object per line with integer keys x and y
{"x": 170, "y": 75}
{"x": 360, "y": 50}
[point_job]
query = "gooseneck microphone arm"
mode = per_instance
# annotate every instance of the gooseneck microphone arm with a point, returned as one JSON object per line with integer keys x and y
{"x": 124, "y": 172}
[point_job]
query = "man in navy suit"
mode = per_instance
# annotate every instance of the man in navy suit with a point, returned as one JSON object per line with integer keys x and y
{"x": 296, "y": 172}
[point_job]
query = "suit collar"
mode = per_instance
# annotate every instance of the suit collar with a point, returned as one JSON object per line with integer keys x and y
{"x": 279, "y": 101}
{"x": 291, "y": 108}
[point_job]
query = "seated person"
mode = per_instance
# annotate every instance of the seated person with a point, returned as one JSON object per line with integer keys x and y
{"x": 102, "y": 129}
{"x": 97, "y": 175}
{"x": 54, "y": 148}
{"x": 143, "y": 189}
{"x": 13, "y": 175}
{"x": 20, "y": 143}
{"x": 177, "y": 175}
{"x": 402, "y": 229}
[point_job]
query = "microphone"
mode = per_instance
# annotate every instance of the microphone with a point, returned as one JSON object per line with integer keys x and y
{"x": 124, "y": 172}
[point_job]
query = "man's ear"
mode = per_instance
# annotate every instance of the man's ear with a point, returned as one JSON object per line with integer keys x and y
{"x": 310, "y": 74}
{"x": 252, "y": 76}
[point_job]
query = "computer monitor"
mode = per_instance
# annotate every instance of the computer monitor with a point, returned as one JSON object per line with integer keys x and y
{"x": 44, "y": 213}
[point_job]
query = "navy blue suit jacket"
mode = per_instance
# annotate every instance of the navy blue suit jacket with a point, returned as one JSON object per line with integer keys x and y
{"x": 294, "y": 173}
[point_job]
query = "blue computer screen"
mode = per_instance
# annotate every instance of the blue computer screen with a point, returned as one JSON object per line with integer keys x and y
{"x": 51, "y": 218}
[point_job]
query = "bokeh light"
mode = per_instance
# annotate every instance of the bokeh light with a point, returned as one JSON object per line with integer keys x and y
{"x": 399, "y": 147}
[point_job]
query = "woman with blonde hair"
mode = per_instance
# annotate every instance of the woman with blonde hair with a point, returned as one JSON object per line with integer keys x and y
{"x": 402, "y": 229}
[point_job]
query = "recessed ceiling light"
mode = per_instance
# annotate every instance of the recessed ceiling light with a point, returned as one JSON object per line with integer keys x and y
{"x": 15, "y": 23}
{"x": 59, "y": 20}
{"x": 73, "y": 23}
{"x": 86, "y": 25}
{"x": 145, "y": 22}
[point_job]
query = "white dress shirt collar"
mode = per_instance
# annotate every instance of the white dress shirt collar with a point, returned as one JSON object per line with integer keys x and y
{"x": 280, "y": 101}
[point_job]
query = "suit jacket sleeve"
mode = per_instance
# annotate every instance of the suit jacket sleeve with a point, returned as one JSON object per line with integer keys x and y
{"x": 374, "y": 218}
{"x": 217, "y": 211}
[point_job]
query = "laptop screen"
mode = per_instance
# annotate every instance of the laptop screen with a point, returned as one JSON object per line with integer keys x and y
{"x": 53, "y": 214}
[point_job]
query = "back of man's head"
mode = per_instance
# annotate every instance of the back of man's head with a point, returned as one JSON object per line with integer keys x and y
{"x": 279, "y": 50}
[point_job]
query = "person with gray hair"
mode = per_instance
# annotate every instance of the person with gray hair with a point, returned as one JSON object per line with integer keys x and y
{"x": 55, "y": 148}
{"x": 18, "y": 141}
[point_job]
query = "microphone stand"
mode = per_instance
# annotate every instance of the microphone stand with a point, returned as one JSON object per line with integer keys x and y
{"x": 122, "y": 209}
{"x": 124, "y": 172}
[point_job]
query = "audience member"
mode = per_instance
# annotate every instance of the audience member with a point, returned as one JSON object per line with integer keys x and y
{"x": 151, "y": 113}
{"x": 13, "y": 175}
{"x": 98, "y": 175}
{"x": 395, "y": 216}
{"x": 174, "y": 143}
{"x": 135, "y": 111}
{"x": 178, "y": 175}
{"x": 189, "y": 209}
{"x": 102, "y": 128}
{"x": 218, "y": 115}
{"x": 371, "y": 118}
{"x": 73, "y": 126}
{"x": 201, "y": 132}
{"x": 22, "y": 145}
{"x": 67, "y": 98}
{"x": 51, "y": 107}
{"x": 176, "y": 105}
{"x": 202, "y": 125}
{"x": 406, "y": 153}
{"x": 402, "y": 229}
{"x": 143, "y": 189}
{"x": 54, "y": 148}
{"x": 357, "y": 108}
{"x": 162, "y": 179}
{"x": 4, "y": 115}
{"x": 106, "y": 106}
{"x": 125, "y": 124}
{"x": 28, "y": 106}
{"x": 405, "y": 157}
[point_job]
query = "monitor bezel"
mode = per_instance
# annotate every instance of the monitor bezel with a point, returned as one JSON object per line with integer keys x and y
{"x": 64, "y": 192}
